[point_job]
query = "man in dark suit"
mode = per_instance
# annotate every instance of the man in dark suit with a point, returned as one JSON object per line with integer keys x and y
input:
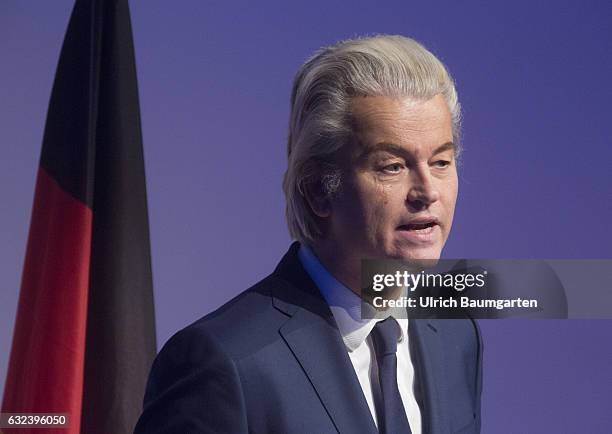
{"x": 373, "y": 145}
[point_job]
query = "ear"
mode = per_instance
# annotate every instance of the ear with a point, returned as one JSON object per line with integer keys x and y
{"x": 317, "y": 199}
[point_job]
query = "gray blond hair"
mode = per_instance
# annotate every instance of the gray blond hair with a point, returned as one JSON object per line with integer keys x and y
{"x": 320, "y": 119}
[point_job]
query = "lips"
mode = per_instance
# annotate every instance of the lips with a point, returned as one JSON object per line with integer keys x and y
{"x": 423, "y": 230}
{"x": 417, "y": 226}
{"x": 420, "y": 224}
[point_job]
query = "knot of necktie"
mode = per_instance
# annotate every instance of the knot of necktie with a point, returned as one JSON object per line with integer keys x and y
{"x": 386, "y": 333}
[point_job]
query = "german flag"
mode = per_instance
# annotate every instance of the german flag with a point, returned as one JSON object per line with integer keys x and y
{"x": 84, "y": 336}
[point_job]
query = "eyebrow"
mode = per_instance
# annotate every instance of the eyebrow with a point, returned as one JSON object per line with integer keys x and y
{"x": 396, "y": 149}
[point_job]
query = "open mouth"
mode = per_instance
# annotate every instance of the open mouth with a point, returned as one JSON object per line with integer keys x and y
{"x": 419, "y": 228}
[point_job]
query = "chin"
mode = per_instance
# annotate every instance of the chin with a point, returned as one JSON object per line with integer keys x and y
{"x": 424, "y": 257}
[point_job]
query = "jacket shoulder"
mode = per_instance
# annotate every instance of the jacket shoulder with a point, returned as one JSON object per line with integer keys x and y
{"x": 240, "y": 326}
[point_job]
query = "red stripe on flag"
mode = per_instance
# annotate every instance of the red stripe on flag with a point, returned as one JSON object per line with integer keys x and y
{"x": 45, "y": 373}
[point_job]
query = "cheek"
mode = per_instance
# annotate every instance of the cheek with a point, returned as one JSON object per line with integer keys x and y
{"x": 372, "y": 200}
{"x": 453, "y": 191}
{"x": 385, "y": 210}
{"x": 358, "y": 208}
{"x": 449, "y": 198}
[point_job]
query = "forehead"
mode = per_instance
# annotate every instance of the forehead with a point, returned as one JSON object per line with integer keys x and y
{"x": 418, "y": 127}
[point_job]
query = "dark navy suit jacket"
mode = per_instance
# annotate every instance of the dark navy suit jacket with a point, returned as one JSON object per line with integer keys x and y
{"x": 273, "y": 361}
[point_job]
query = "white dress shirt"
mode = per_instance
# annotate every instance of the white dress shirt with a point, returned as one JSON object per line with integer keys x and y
{"x": 345, "y": 305}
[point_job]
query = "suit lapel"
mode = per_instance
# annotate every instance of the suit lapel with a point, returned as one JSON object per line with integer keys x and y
{"x": 319, "y": 349}
{"x": 428, "y": 357}
{"x": 313, "y": 337}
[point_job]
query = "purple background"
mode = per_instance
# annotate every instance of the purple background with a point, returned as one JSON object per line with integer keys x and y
{"x": 534, "y": 81}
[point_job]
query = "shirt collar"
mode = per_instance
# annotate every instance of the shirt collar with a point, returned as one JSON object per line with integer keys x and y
{"x": 345, "y": 305}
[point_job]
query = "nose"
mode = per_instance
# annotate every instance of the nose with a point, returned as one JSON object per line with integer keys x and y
{"x": 422, "y": 191}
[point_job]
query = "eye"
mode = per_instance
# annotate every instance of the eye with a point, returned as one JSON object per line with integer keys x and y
{"x": 442, "y": 164}
{"x": 393, "y": 169}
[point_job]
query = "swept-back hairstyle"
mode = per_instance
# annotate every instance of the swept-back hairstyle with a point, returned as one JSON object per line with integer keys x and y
{"x": 320, "y": 118}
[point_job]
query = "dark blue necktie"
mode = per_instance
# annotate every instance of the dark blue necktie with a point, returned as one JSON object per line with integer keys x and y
{"x": 392, "y": 417}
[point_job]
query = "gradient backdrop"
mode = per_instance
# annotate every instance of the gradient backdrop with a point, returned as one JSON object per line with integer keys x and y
{"x": 534, "y": 81}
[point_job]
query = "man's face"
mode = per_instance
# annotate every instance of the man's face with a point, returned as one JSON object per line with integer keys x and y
{"x": 399, "y": 184}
